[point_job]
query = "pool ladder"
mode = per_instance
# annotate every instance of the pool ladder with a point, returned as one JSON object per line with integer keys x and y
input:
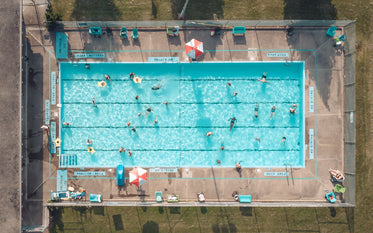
{"x": 68, "y": 161}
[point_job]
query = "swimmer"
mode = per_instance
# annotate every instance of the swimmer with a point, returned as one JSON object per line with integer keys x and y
{"x": 87, "y": 66}
{"x": 148, "y": 110}
{"x": 128, "y": 124}
{"x": 158, "y": 86}
{"x": 166, "y": 103}
{"x": 283, "y": 140}
{"x": 134, "y": 129}
{"x": 156, "y": 120}
{"x": 130, "y": 153}
{"x": 137, "y": 97}
{"x": 208, "y": 134}
{"x": 236, "y": 93}
{"x": 233, "y": 120}
{"x": 292, "y": 110}
{"x": 139, "y": 114}
{"x": 132, "y": 75}
{"x": 273, "y": 109}
{"x": 107, "y": 77}
{"x": 66, "y": 123}
{"x": 121, "y": 149}
{"x": 256, "y": 110}
{"x": 89, "y": 142}
{"x": 264, "y": 77}
{"x": 94, "y": 102}
{"x": 222, "y": 145}
{"x": 258, "y": 139}
{"x": 229, "y": 84}
{"x": 218, "y": 162}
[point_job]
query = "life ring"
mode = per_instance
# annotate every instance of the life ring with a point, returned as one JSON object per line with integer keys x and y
{"x": 58, "y": 142}
{"x": 101, "y": 84}
{"x": 91, "y": 150}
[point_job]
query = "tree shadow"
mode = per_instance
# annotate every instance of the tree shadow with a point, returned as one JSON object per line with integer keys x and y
{"x": 196, "y": 9}
{"x": 310, "y": 9}
{"x": 326, "y": 52}
{"x": 93, "y": 10}
{"x": 55, "y": 219}
{"x": 99, "y": 210}
{"x": 150, "y": 227}
{"x": 154, "y": 10}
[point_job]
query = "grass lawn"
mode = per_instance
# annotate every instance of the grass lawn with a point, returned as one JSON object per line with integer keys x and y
{"x": 215, "y": 219}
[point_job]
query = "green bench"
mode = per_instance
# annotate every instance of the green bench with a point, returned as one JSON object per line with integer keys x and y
{"x": 238, "y": 31}
{"x": 244, "y": 198}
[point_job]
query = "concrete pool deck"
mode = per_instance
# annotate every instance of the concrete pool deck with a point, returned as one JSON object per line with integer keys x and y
{"x": 302, "y": 187}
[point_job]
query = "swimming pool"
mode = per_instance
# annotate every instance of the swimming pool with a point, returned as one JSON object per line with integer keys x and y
{"x": 199, "y": 101}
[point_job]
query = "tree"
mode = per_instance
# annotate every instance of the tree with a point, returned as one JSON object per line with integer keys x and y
{"x": 51, "y": 18}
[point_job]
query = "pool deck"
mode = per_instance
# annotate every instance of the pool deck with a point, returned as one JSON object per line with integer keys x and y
{"x": 302, "y": 187}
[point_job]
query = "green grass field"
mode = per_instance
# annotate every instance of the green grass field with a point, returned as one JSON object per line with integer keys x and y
{"x": 215, "y": 219}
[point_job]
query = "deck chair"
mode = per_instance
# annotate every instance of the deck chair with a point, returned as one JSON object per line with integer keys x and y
{"x": 339, "y": 188}
{"x": 123, "y": 32}
{"x": 135, "y": 34}
{"x": 238, "y": 31}
{"x": 331, "y": 197}
{"x": 173, "y": 31}
{"x": 158, "y": 196}
{"x": 331, "y": 31}
{"x": 201, "y": 197}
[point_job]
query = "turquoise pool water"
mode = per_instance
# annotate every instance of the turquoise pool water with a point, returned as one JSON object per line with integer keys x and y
{"x": 199, "y": 102}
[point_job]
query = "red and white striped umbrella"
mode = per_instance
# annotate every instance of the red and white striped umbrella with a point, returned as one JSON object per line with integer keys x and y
{"x": 138, "y": 176}
{"x": 194, "y": 48}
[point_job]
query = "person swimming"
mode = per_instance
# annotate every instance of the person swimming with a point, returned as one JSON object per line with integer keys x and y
{"x": 158, "y": 86}
{"x": 283, "y": 140}
{"x": 107, "y": 77}
{"x": 132, "y": 75}
{"x": 256, "y": 109}
{"x": 273, "y": 110}
{"x": 233, "y": 120}
{"x": 148, "y": 110}
{"x": 156, "y": 121}
{"x": 208, "y": 134}
{"x": 264, "y": 77}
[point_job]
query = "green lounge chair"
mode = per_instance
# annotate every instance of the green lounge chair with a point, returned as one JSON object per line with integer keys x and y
{"x": 135, "y": 34}
{"x": 244, "y": 198}
{"x": 158, "y": 196}
{"x": 238, "y": 31}
{"x": 173, "y": 198}
{"x": 123, "y": 32}
{"x": 331, "y": 31}
{"x": 173, "y": 31}
{"x": 339, "y": 188}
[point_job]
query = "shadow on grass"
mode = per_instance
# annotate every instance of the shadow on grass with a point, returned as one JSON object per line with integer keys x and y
{"x": 310, "y": 9}
{"x": 118, "y": 223}
{"x": 55, "y": 219}
{"x": 150, "y": 227}
{"x": 197, "y": 9}
{"x": 93, "y": 10}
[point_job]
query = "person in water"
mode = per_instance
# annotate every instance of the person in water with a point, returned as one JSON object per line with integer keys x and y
{"x": 148, "y": 110}
{"x": 264, "y": 77}
{"x": 208, "y": 134}
{"x": 156, "y": 120}
{"x": 256, "y": 110}
{"x": 283, "y": 141}
{"x": 89, "y": 142}
{"x": 158, "y": 86}
{"x": 293, "y": 108}
{"x": 233, "y": 120}
{"x": 121, "y": 149}
{"x": 273, "y": 109}
{"x": 107, "y": 77}
{"x": 235, "y": 93}
{"x": 132, "y": 75}
{"x": 94, "y": 102}
{"x": 229, "y": 84}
